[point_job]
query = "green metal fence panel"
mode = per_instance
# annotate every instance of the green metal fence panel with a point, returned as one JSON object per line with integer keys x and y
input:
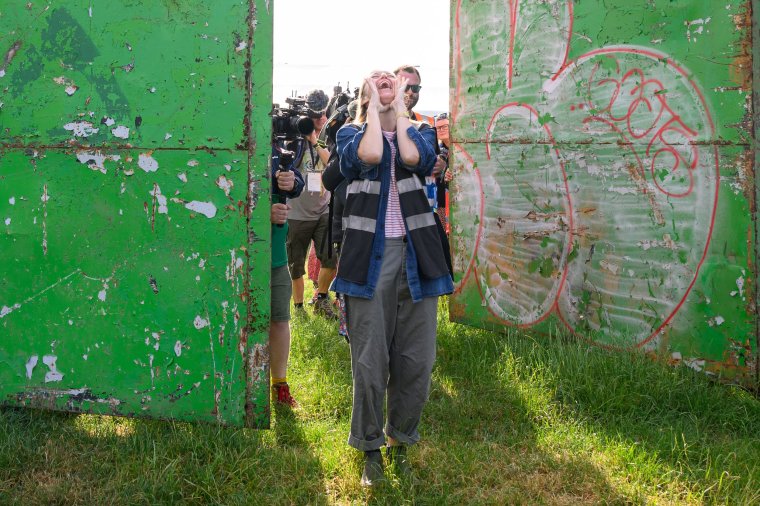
{"x": 604, "y": 174}
{"x": 134, "y": 248}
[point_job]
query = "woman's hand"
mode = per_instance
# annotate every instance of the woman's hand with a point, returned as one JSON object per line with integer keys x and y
{"x": 374, "y": 96}
{"x": 398, "y": 105}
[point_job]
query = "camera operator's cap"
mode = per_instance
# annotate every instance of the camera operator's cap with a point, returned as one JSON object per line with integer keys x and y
{"x": 316, "y": 101}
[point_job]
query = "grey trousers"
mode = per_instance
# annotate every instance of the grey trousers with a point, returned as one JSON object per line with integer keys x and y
{"x": 393, "y": 342}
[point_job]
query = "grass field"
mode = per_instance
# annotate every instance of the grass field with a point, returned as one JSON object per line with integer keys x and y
{"x": 512, "y": 419}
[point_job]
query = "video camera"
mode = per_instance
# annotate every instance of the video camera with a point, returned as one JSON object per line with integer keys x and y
{"x": 337, "y": 113}
{"x": 293, "y": 122}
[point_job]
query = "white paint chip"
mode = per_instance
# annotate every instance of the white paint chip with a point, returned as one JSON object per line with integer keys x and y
{"x": 5, "y": 310}
{"x": 207, "y": 209}
{"x": 96, "y": 160}
{"x": 70, "y": 90}
{"x": 160, "y": 200}
{"x": 147, "y": 163}
{"x": 30, "y": 365}
{"x": 224, "y": 184}
{"x": 182, "y": 177}
{"x": 178, "y": 348}
{"x": 199, "y": 322}
{"x": 53, "y": 374}
{"x": 81, "y": 128}
{"x": 740, "y": 285}
{"x": 121, "y": 132}
{"x": 12, "y": 201}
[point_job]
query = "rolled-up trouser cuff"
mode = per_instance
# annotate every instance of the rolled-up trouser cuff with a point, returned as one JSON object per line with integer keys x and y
{"x": 365, "y": 446}
{"x": 407, "y": 439}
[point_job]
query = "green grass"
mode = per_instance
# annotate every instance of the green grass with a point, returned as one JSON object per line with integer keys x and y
{"x": 512, "y": 419}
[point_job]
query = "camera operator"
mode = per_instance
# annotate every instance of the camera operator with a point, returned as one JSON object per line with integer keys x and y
{"x": 308, "y": 218}
{"x": 286, "y": 183}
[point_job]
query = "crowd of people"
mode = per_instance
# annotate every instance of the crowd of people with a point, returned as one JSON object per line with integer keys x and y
{"x": 364, "y": 203}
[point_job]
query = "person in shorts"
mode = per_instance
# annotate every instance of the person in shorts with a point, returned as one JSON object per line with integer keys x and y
{"x": 290, "y": 184}
{"x": 308, "y": 218}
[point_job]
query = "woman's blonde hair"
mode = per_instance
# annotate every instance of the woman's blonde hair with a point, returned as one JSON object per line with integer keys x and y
{"x": 361, "y": 112}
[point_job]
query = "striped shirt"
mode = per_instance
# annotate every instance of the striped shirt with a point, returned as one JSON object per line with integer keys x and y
{"x": 394, "y": 221}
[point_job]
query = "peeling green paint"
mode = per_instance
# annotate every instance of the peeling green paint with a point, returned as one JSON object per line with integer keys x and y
{"x": 134, "y": 257}
{"x": 629, "y": 127}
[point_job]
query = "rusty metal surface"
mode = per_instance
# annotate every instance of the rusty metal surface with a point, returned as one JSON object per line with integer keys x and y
{"x": 605, "y": 174}
{"x": 134, "y": 259}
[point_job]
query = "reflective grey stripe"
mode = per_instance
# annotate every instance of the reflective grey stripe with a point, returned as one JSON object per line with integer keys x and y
{"x": 364, "y": 186}
{"x": 408, "y": 184}
{"x": 359, "y": 223}
{"x": 420, "y": 220}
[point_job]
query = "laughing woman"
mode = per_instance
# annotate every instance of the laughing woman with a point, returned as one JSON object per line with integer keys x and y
{"x": 391, "y": 270}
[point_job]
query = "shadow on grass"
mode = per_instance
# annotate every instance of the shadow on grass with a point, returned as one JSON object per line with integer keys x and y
{"x": 667, "y": 428}
{"x": 488, "y": 433}
{"x": 479, "y": 442}
{"x": 56, "y": 458}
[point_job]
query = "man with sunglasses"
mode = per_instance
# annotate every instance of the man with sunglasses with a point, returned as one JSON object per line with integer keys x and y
{"x": 412, "y": 93}
{"x": 411, "y": 97}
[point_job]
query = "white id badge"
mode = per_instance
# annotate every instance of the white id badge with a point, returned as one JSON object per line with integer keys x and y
{"x": 314, "y": 181}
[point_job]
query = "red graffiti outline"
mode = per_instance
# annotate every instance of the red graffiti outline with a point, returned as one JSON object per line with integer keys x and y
{"x": 478, "y": 234}
{"x": 685, "y": 131}
{"x": 553, "y": 306}
{"x": 514, "y": 7}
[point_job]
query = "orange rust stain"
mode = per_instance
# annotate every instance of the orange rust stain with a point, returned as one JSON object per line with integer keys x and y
{"x": 741, "y": 68}
{"x": 641, "y": 184}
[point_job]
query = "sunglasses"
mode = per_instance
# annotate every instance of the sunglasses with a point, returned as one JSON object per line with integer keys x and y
{"x": 414, "y": 88}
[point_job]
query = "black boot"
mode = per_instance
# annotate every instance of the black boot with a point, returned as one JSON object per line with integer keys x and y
{"x": 373, "y": 468}
{"x": 397, "y": 457}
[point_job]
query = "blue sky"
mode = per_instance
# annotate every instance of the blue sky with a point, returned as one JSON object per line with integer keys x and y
{"x": 323, "y": 43}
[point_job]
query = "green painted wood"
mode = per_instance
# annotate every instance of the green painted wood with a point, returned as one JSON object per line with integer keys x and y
{"x": 134, "y": 254}
{"x": 604, "y": 175}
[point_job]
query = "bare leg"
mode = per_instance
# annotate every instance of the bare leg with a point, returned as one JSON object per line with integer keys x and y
{"x": 325, "y": 278}
{"x": 279, "y": 348}
{"x": 298, "y": 290}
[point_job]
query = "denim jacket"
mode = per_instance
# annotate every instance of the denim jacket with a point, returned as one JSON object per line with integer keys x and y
{"x": 428, "y": 280}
